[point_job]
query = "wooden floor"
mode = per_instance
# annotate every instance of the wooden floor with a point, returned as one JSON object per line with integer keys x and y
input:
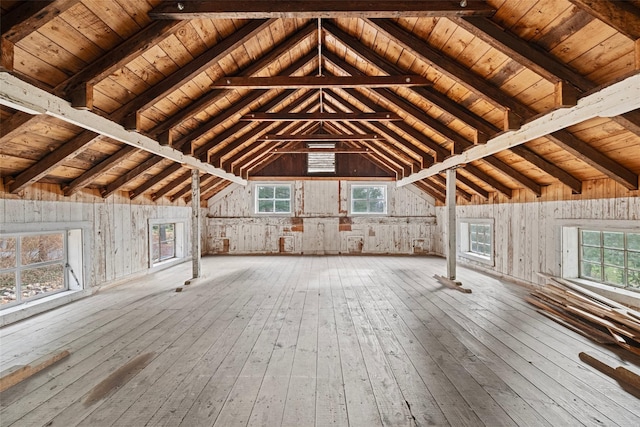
{"x": 304, "y": 341}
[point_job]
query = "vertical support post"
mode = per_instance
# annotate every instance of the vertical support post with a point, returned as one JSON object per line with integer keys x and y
{"x": 451, "y": 224}
{"x": 195, "y": 222}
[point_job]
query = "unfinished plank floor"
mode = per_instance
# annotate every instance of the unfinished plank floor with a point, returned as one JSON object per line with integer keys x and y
{"x": 304, "y": 341}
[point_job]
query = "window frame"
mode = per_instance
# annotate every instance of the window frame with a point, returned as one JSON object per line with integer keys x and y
{"x": 180, "y": 241}
{"x": 465, "y": 242}
{"x": 384, "y": 188}
{"x": 256, "y": 199}
{"x": 19, "y": 267}
{"x": 602, "y": 263}
{"x": 327, "y": 145}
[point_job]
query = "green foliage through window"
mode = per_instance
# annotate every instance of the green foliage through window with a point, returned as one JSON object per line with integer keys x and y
{"x": 610, "y": 257}
{"x": 31, "y": 265}
{"x": 273, "y": 199}
{"x": 369, "y": 199}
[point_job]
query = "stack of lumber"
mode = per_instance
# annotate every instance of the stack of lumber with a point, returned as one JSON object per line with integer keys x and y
{"x": 589, "y": 314}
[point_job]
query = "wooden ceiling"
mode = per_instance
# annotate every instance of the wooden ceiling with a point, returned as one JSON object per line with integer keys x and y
{"x": 107, "y": 96}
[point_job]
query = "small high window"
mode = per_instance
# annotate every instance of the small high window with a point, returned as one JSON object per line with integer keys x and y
{"x": 476, "y": 240}
{"x": 321, "y": 162}
{"x": 610, "y": 257}
{"x": 368, "y": 199}
{"x": 273, "y": 198}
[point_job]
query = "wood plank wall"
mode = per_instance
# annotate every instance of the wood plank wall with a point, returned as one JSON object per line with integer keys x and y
{"x": 119, "y": 226}
{"x": 527, "y": 233}
{"x": 320, "y": 223}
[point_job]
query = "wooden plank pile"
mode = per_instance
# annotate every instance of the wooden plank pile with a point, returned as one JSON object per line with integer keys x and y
{"x": 589, "y": 314}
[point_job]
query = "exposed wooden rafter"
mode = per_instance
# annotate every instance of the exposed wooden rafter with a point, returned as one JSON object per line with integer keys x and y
{"x": 316, "y": 137}
{"x": 328, "y": 117}
{"x": 255, "y": 9}
{"x": 621, "y": 15}
{"x": 315, "y": 82}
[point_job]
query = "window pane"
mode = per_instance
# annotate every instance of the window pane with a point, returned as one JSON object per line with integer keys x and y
{"x": 265, "y": 192}
{"x": 376, "y": 193}
{"x": 265, "y": 206}
{"x": 359, "y": 192}
{"x": 633, "y": 260}
{"x": 7, "y": 288}
{"x": 376, "y": 206}
{"x": 7, "y": 252}
{"x": 633, "y": 241}
{"x": 614, "y": 275}
{"x": 283, "y": 192}
{"x": 591, "y": 238}
{"x": 633, "y": 279}
{"x": 359, "y": 205}
{"x": 41, "y": 248}
{"x": 283, "y": 206}
{"x": 613, "y": 240}
{"x": 614, "y": 257}
{"x": 591, "y": 254}
{"x": 36, "y": 281}
{"x": 592, "y": 271}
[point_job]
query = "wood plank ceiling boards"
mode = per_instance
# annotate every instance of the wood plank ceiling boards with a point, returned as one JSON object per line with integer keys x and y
{"x": 104, "y": 98}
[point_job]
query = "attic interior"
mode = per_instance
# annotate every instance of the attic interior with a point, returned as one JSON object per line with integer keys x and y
{"x": 326, "y": 162}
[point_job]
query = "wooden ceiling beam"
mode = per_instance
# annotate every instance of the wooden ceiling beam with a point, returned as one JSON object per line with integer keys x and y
{"x": 400, "y": 103}
{"x": 434, "y": 97}
{"x": 444, "y": 131}
{"x": 259, "y": 65}
{"x": 203, "y": 150}
{"x": 449, "y": 67}
{"x": 215, "y": 156}
{"x": 385, "y": 145}
{"x": 318, "y": 82}
{"x": 28, "y": 16}
{"x": 540, "y": 61}
{"x": 393, "y": 155}
{"x": 155, "y": 180}
{"x": 98, "y": 170}
{"x": 78, "y": 87}
{"x": 491, "y": 181}
{"x": 171, "y": 185}
{"x": 423, "y": 186}
{"x": 186, "y": 189}
{"x": 440, "y": 152}
{"x": 621, "y": 15}
{"x": 514, "y": 174}
{"x": 527, "y": 54}
{"x": 472, "y": 185}
{"x": 123, "y": 180}
{"x": 321, "y": 137}
{"x": 42, "y": 167}
{"x": 310, "y": 9}
{"x": 551, "y": 169}
{"x": 128, "y": 112}
{"x": 238, "y": 106}
{"x": 217, "y": 188}
{"x": 14, "y": 126}
{"x": 305, "y": 150}
{"x": 257, "y": 150}
{"x": 595, "y": 159}
{"x": 321, "y": 116}
{"x": 204, "y": 188}
{"x": 441, "y": 181}
{"x": 618, "y": 98}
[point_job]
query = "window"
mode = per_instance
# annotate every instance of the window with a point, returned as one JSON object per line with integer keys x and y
{"x": 273, "y": 199}
{"x": 163, "y": 242}
{"x": 319, "y": 162}
{"x": 611, "y": 257}
{"x": 476, "y": 240}
{"x": 32, "y": 266}
{"x": 368, "y": 199}
{"x": 480, "y": 239}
